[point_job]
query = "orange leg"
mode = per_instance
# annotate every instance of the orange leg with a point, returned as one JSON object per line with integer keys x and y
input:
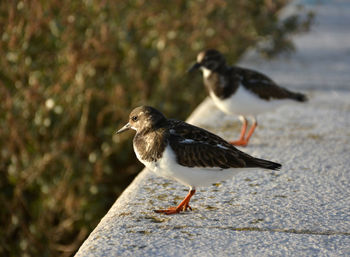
{"x": 243, "y": 141}
{"x": 243, "y": 129}
{"x": 183, "y": 206}
{"x": 251, "y": 131}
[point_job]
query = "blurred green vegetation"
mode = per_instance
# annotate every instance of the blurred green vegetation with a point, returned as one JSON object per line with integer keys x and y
{"x": 71, "y": 71}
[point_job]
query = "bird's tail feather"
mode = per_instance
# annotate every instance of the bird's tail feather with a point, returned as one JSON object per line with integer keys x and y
{"x": 300, "y": 97}
{"x": 256, "y": 162}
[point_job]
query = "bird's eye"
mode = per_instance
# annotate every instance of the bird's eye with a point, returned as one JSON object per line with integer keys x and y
{"x": 134, "y": 118}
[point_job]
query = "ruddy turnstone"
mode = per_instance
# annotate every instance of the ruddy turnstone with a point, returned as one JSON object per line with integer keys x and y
{"x": 186, "y": 153}
{"x": 241, "y": 91}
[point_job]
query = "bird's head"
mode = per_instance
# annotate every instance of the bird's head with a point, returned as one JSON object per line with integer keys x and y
{"x": 210, "y": 59}
{"x": 143, "y": 118}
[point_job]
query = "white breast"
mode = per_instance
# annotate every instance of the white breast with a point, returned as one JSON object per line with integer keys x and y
{"x": 169, "y": 168}
{"x": 150, "y": 165}
{"x": 206, "y": 72}
{"x": 244, "y": 102}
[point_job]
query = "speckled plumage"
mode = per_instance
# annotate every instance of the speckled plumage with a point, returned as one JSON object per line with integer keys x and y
{"x": 192, "y": 146}
{"x": 241, "y": 91}
{"x": 208, "y": 150}
{"x": 224, "y": 80}
{"x": 186, "y": 153}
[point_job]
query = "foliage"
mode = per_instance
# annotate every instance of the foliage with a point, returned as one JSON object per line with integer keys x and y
{"x": 70, "y": 72}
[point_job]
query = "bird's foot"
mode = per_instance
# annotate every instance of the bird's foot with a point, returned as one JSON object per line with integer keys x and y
{"x": 175, "y": 210}
{"x": 240, "y": 142}
{"x": 183, "y": 206}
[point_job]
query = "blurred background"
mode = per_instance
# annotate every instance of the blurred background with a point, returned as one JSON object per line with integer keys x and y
{"x": 70, "y": 73}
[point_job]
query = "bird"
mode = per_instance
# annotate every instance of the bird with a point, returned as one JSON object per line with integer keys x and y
{"x": 241, "y": 91}
{"x": 186, "y": 153}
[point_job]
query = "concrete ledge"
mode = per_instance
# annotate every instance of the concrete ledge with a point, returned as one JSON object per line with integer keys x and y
{"x": 301, "y": 210}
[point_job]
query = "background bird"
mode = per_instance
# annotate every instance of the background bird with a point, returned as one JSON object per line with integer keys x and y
{"x": 241, "y": 91}
{"x": 186, "y": 153}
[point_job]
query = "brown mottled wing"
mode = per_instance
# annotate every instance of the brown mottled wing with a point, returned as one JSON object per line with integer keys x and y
{"x": 196, "y": 147}
{"x": 264, "y": 87}
{"x": 199, "y": 154}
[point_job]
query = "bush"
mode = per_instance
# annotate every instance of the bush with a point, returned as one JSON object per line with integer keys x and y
{"x": 70, "y": 73}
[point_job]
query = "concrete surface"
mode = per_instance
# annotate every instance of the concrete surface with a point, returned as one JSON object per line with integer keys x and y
{"x": 301, "y": 210}
{"x": 322, "y": 56}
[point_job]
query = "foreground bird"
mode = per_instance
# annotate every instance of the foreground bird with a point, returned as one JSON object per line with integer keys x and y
{"x": 183, "y": 152}
{"x": 241, "y": 91}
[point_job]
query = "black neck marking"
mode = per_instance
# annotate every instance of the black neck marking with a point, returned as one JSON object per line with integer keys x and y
{"x": 222, "y": 82}
{"x": 150, "y": 144}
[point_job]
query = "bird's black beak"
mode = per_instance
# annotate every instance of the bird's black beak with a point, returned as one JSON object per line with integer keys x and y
{"x": 194, "y": 67}
{"x": 126, "y": 127}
